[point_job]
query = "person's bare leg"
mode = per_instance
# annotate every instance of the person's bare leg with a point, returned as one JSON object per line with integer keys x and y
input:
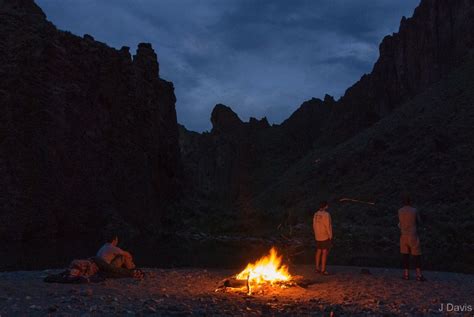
{"x": 128, "y": 263}
{"x": 318, "y": 257}
{"x": 406, "y": 266}
{"x": 417, "y": 264}
{"x": 324, "y": 260}
{"x": 118, "y": 261}
{"x": 419, "y": 275}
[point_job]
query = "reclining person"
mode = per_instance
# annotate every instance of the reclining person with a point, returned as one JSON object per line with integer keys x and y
{"x": 113, "y": 260}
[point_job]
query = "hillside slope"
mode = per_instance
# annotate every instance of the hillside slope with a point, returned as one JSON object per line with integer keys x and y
{"x": 424, "y": 148}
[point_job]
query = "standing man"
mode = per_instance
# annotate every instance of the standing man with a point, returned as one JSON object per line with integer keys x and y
{"x": 322, "y": 227}
{"x": 409, "y": 242}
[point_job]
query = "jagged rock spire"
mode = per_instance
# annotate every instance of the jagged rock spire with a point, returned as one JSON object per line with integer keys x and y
{"x": 146, "y": 61}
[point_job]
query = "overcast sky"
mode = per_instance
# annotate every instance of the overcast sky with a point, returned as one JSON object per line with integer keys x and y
{"x": 260, "y": 57}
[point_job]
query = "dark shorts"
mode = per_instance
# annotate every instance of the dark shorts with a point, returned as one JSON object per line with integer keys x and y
{"x": 326, "y": 244}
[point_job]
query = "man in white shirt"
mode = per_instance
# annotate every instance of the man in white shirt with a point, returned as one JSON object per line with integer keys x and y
{"x": 116, "y": 257}
{"x": 322, "y": 227}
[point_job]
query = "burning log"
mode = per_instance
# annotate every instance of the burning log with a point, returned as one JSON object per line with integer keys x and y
{"x": 266, "y": 273}
{"x": 249, "y": 288}
{"x": 233, "y": 284}
{"x": 267, "y": 269}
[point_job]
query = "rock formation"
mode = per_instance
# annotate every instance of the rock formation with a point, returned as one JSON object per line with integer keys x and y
{"x": 327, "y": 149}
{"x": 89, "y": 143}
{"x": 88, "y": 134}
{"x": 424, "y": 148}
{"x": 228, "y": 166}
{"x": 437, "y": 38}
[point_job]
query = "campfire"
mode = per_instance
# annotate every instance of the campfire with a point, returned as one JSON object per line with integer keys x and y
{"x": 268, "y": 269}
{"x": 266, "y": 273}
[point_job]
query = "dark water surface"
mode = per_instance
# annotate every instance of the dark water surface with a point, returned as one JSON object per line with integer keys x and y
{"x": 169, "y": 254}
{"x": 174, "y": 253}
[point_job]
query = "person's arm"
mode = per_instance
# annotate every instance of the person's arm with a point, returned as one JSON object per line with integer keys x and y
{"x": 119, "y": 251}
{"x": 126, "y": 253}
{"x": 399, "y": 227}
{"x": 314, "y": 226}
{"x": 329, "y": 228}
{"x": 418, "y": 219}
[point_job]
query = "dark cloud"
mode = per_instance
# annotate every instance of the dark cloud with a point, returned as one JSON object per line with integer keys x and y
{"x": 261, "y": 57}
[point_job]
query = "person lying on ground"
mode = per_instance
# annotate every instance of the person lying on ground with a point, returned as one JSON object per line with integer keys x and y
{"x": 110, "y": 262}
{"x": 79, "y": 271}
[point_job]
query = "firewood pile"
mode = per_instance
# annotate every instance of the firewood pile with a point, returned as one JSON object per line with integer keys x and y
{"x": 232, "y": 284}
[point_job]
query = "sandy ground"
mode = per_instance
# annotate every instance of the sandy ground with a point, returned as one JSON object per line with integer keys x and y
{"x": 184, "y": 292}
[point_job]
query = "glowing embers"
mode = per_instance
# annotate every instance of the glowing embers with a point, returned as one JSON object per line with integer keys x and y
{"x": 266, "y": 274}
{"x": 268, "y": 269}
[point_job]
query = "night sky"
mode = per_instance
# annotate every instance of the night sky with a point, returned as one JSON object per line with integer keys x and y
{"x": 261, "y": 57}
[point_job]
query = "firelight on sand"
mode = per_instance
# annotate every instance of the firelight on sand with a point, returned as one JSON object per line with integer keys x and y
{"x": 268, "y": 269}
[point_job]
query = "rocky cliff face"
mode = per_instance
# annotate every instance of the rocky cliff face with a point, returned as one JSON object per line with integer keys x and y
{"x": 437, "y": 38}
{"x": 88, "y": 134}
{"x": 239, "y": 162}
{"x": 425, "y": 148}
{"x": 405, "y": 127}
{"x": 226, "y": 167}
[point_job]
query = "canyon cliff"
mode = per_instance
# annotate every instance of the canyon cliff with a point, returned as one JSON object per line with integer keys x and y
{"x": 88, "y": 135}
{"x": 404, "y": 128}
{"x": 428, "y": 46}
{"x": 90, "y": 145}
{"x": 241, "y": 159}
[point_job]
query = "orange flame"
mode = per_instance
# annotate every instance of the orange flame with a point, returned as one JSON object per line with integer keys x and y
{"x": 267, "y": 269}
